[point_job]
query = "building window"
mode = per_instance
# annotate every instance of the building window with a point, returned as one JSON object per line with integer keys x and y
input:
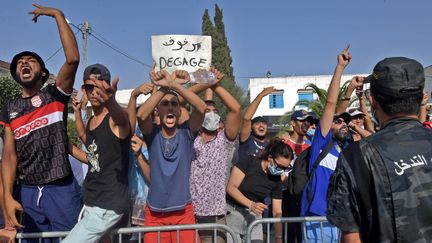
{"x": 304, "y": 94}
{"x": 276, "y": 100}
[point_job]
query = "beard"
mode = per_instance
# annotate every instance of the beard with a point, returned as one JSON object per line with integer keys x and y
{"x": 29, "y": 84}
{"x": 342, "y": 136}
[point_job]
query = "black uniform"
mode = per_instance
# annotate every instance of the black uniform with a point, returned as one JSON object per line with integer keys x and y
{"x": 382, "y": 186}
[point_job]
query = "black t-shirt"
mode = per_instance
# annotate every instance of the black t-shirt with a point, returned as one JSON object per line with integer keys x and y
{"x": 39, "y": 126}
{"x": 257, "y": 184}
{"x": 105, "y": 185}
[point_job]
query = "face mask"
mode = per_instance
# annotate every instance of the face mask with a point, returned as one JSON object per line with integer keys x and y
{"x": 274, "y": 169}
{"x": 211, "y": 121}
{"x": 311, "y": 132}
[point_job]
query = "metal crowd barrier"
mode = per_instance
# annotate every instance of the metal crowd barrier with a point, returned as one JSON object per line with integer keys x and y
{"x": 139, "y": 230}
{"x": 285, "y": 222}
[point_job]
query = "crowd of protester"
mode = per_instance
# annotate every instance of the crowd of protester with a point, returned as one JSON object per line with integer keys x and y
{"x": 174, "y": 160}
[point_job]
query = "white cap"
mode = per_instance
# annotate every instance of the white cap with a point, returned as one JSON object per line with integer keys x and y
{"x": 354, "y": 111}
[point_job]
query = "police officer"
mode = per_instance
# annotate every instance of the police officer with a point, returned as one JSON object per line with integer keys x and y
{"x": 381, "y": 188}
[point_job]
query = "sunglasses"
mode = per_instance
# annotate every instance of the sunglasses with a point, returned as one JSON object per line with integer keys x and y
{"x": 88, "y": 87}
{"x": 339, "y": 121}
{"x": 278, "y": 166}
{"x": 167, "y": 103}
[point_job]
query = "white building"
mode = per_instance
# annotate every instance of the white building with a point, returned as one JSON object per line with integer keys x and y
{"x": 290, "y": 90}
{"x": 123, "y": 96}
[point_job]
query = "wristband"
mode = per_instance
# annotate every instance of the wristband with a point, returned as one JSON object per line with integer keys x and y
{"x": 164, "y": 89}
{"x": 278, "y": 237}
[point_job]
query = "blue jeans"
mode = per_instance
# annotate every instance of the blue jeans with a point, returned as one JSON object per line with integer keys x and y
{"x": 314, "y": 233}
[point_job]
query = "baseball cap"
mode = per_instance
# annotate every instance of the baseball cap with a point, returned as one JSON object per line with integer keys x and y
{"x": 315, "y": 119}
{"x": 15, "y": 59}
{"x": 301, "y": 115}
{"x": 259, "y": 119}
{"x": 396, "y": 76}
{"x": 97, "y": 68}
{"x": 354, "y": 111}
{"x": 345, "y": 116}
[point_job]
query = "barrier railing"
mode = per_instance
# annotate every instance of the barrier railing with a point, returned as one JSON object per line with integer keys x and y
{"x": 139, "y": 230}
{"x": 285, "y": 221}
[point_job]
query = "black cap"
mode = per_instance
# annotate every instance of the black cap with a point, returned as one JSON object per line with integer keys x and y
{"x": 98, "y": 68}
{"x": 301, "y": 115}
{"x": 345, "y": 116}
{"x": 259, "y": 119}
{"x": 15, "y": 59}
{"x": 396, "y": 76}
{"x": 314, "y": 116}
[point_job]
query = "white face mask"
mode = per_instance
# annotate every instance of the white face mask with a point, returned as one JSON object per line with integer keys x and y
{"x": 211, "y": 121}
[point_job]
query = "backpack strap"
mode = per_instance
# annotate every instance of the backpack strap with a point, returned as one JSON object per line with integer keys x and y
{"x": 321, "y": 156}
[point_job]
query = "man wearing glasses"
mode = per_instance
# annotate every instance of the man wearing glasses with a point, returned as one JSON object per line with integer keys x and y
{"x": 331, "y": 129}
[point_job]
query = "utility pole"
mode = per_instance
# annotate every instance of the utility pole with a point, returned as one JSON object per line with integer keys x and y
{"x": 86, "y": 31}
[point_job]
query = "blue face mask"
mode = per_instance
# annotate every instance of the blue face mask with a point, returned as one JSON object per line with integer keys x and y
{"x": 311, "y": 132}
{"x": 274, "y": 169}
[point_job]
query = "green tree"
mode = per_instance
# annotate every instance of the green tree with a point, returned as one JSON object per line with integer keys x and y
{"x": 71, "y": 131}
{"x": 221, "y": 56}
{"x": 9, "y": 90}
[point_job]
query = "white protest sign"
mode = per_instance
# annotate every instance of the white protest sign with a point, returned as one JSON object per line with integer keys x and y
{"x": 181, "y": 52}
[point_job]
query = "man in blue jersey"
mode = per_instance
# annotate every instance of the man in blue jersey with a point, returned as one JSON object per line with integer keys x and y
{"x": 331, "y": 128}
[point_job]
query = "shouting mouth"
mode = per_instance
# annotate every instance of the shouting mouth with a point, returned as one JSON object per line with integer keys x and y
{"x": 26, "y": 72}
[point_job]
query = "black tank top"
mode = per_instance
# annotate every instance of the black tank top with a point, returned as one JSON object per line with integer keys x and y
{"x": 105, "y": 185}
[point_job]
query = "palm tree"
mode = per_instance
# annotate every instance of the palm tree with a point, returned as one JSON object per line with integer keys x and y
{"x": 316, "y": 105}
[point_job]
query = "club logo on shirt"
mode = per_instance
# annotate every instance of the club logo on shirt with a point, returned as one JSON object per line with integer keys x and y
{"x": 36, "y": 101}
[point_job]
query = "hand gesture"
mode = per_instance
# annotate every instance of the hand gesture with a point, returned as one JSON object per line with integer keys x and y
{"x": 161, "y": 78}
{"x": 12, "y": 206}
{"x": 257, "y": 207}
{"x": 145, "y": 88}
{"x": 7, "y": 235}
{"x": 79, "y": 100}
{"x": 41, "y": 10}
{"x": 344, "y": 57}
{"x": 180, "y": 76}
{"x": 76, "y": 105}
{"x": 104, "y": 91}
{"x": 136, "y": 145}
{"x": 219, "y": 75}
{"x": 267, "y": 91}
{"x": 351, "y": 125}
{"x": 357, "y": 82}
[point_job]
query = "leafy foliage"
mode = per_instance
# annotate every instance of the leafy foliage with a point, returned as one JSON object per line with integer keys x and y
{"x": 221, "y": 57}
{"x": 316, "y": 105}
{"x": 9, "y": 90}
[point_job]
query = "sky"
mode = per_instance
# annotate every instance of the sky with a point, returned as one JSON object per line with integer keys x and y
{"x": 284, "y": 37}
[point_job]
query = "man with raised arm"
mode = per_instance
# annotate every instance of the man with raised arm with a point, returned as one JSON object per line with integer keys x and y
{"x": 331, "y": 129}
{"x": 212, "y": 154}
{"x": 253, "y": 132}
{"x": 170, "y": 155}
{"x": 36, "y": 143}
{"x": 107, "y": 142}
